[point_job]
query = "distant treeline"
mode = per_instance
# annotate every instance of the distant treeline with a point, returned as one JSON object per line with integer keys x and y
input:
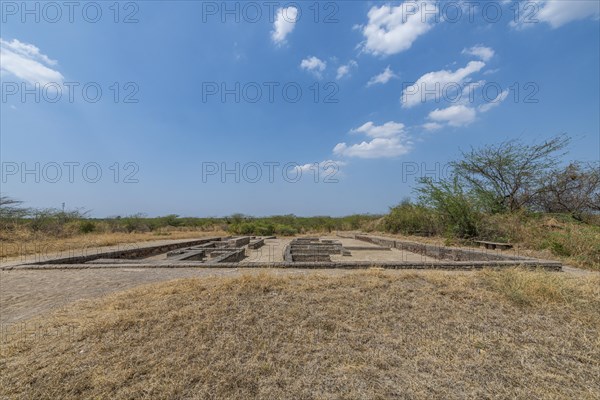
{"x": 59, "y": 223}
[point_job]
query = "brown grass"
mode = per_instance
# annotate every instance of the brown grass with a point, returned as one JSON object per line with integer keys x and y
{"x": 374, "y": 334}
{"x": 553, "y": 237}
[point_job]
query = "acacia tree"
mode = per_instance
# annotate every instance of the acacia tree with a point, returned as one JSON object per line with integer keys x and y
{"x": 11, "y": 212}
{"x": 11, "y": 208}
{"x": 510, "y": 175}
{"x": 574, "y": 190}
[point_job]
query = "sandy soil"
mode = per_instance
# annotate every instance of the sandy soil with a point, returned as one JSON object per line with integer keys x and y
{"x": 272, "y": 251}
{"x": 376, "y": 255}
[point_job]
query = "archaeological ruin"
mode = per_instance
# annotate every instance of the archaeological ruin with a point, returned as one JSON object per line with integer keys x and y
{"x": 344, "y": 250}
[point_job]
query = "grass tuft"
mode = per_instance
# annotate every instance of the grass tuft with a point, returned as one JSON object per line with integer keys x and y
{"x": 526, "y": 288}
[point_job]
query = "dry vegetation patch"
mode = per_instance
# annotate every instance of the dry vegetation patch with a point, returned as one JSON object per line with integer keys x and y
{"x": 373, "y": 334}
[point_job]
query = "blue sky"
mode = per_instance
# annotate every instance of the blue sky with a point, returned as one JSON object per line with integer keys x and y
{"x": 390, "y": 91}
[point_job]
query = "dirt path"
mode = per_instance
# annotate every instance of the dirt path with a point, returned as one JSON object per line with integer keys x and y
{"x": 27, "y": 293}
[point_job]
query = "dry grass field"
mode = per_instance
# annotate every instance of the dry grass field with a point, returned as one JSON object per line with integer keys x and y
{"x": 511, "y": 334}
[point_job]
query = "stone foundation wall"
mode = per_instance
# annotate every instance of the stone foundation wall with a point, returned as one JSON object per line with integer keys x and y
{"x": 438, "y": 252}
{"x": 439, "y": 265}
{"x": 238, "y": 242}
{"x": 256, "y": 244}
{"x": 232, "y": 256}
{"x": 129, "y": 254}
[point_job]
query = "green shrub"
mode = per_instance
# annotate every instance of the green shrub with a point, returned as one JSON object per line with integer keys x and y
{"x": 135, "y": 223}
{"x": 411, "y": 219}
{"x": 559, "y": 249}
{"x": 456, "y": 207}
{"x": 264, "y": 229}
{"x": 285, "y": 230}
{"x": 252, "y": 228}
{"x": 87, "y": 227}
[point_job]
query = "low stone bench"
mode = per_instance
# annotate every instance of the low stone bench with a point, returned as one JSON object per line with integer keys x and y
{"x": 494, "y": 245}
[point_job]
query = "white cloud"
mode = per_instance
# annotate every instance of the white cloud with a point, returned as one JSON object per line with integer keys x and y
{"x": 389, "y": 129}
{"x": 458, "y": 115}
{"x": 314, "y": 65}
{"x": 470, "y": 90}
{"x": 422, "y": 90}
{"x": 461, "y": 114}
{"x": 344, "y": 70}
{"x": 557, "y": 12}
{"x": 25, "y": 61}
{"x": 494, "y": 103}
{"x": 482, "y": 52}
{"x": 326, "y": 165}
{"x": 392, "y": 30}
{"x": 382, "y": 78}
{"x": 285, "y": 22}
{"x": 388, "y": 140}
{"x": 491, "y": 71}
{"x": 432, "y": 126}
{"x": 376, "y": 148}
